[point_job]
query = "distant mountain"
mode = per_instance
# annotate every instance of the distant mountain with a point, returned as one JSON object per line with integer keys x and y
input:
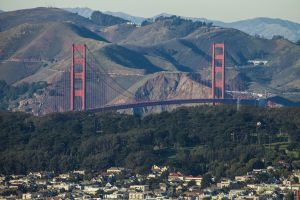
{"x": 263, "y": 27}
{"x": 85, "y": 12}
{"x": 267, "y": 27}
{"x": 134, "y": 19}
{"x": 103, "y": 19}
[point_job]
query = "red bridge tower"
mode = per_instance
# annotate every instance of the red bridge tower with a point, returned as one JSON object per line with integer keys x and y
{"x": 78, "y": 70}
{"x": 218, "y": 70}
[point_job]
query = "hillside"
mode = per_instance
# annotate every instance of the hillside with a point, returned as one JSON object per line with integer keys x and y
{"x": 37, "y": 49}
{"x": 262, "y": 26}
{"x": 84, "y": 12}
{"x": 268, "y": 27}
{"x": 163, "y": 29}
{"x": 40, "y": 15}
{"x": 102, "y": 19}
{"x": 191, "y": 52}
{"x": 133, "y": 19}
{"x": 47, "y": 45}
{"x": 47, "y": 40}
{"x": 194, "y": 141}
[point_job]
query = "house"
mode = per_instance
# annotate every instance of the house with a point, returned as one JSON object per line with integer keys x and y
{"x": 41, "y": 182}
{"x": 151, "y": 176}
{"x": 116, "y": 196}
{"x": 179, "y": 188}
{"x": 258, "y": 62}
{"x": 236, "y": 193}
{"x": 175, "y": 177}
{"x": 64, "y": 176}
{"x": 36, "y": 174}
{"x": 91, "y": 189}
{"x": 29, "y": 196}
{"x": 158, "y": 169}
{"x": 242, "y": 178}
{"x": 80, "y": 172}
{"x": 296, "y": 174}
{"x": 143, "y": 188}
{"x": 197, "y": 179}
{"x": 259, "y": 171}
{"x": 115, "y": 170}
{"x": 191, "y": 196}
{"x": 224, "y": 183}
{"x": 59, "y": 186}
{"x": 2, "y": 178}
{"x": 18, "y": 182}
{"x": 163, "y": 187}
{"x": 137, "y": 195}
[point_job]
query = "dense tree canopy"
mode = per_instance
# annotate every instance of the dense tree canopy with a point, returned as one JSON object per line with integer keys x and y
{"x": 206, "y": 139}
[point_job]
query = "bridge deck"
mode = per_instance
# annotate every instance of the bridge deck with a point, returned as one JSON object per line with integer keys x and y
{"x": 172, "y": 102}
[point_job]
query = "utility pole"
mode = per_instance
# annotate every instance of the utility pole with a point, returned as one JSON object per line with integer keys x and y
{"x": 238, "y": 104}
{"x": 233, "y": 137}
{"x": 258, "y": 124}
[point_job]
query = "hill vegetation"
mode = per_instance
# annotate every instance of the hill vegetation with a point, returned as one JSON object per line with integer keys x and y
{"x": 102, "y": 19}
{"x": 217, "y": 139}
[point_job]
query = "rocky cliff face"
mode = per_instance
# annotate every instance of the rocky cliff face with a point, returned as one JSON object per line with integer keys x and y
{"x": 172, "y": 86}
{"x": 163, "y": 86}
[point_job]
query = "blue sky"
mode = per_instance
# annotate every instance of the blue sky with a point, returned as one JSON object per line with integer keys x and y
{"x": 224, "y": 10}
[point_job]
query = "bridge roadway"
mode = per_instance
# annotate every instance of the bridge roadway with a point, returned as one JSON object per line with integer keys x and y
{"x": 172, "y": 102}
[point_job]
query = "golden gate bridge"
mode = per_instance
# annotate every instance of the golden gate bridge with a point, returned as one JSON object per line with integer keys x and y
{"x": 88, "y": 86}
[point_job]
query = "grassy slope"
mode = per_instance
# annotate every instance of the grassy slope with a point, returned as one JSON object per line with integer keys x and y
{"x": 192, "y": 53}
{"x": 169, "y": 46}
{"x": 48, "y": 43}
{"x": 40, "y": 15}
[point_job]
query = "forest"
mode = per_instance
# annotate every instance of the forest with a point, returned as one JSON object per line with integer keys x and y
{"x": 219, "y": 140}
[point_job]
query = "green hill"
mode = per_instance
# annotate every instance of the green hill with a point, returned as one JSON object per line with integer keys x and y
{"x": 197, "y": 140}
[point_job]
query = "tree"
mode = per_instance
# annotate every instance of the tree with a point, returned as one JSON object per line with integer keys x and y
{"x": 146, "y": 22}
{"x": 289, "y": 196}
{"x": 277, "y": 37}
{"x": 206, "y": 181}
{"x": 191, "y": 183}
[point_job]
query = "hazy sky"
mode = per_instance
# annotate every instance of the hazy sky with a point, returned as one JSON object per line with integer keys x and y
{"x": 225, "y": 10}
